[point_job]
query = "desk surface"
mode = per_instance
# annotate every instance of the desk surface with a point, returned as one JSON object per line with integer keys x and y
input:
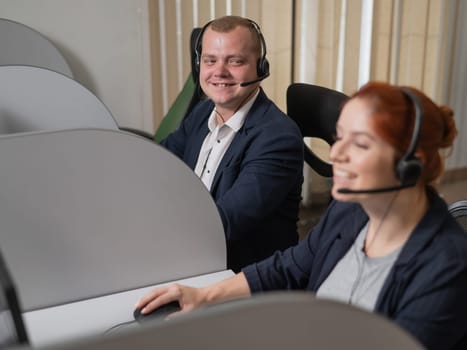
{"x": 94, "y": 316}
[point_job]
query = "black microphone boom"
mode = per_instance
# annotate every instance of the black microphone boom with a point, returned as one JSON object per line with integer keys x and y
{"x": 246, "y": 83}
{"x": 375, "y": 190}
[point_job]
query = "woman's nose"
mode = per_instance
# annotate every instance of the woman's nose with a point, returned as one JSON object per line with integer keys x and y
{"x": 337, "y": 152}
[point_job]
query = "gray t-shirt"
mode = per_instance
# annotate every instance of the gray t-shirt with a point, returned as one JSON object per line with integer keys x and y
{"x": 357, "y": 279}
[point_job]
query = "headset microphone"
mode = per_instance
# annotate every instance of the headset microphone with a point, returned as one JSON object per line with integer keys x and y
{"x": 246, "y": 83}
{"x": 374, "y": 190}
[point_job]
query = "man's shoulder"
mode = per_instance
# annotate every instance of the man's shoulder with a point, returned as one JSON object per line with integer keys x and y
{"x": 203, "y": 107}
{"x": 266, "y": 114}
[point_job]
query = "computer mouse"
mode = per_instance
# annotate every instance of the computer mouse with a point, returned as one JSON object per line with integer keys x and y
{"x": 162, "y": 311}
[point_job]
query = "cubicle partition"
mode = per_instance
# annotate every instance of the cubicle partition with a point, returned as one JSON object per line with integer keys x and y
{"x": 91, "y": 218}
{"x": 272, "y": 321}
{"x": 34, "y": 99}
{"x": 22, "y": 45}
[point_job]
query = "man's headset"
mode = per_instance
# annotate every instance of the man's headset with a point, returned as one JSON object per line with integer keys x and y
{"x": 262, "y": 66}
{"x": 409, "y": 168}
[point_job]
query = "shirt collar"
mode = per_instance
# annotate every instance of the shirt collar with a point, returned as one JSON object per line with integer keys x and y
{"x": 237, "y": 120}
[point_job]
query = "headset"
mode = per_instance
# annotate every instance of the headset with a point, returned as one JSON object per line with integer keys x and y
{"x": 408, "y": 168}
{"x": 262, "y": 67}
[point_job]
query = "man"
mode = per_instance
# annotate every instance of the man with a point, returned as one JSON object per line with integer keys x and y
{"x": 246, "y": 151}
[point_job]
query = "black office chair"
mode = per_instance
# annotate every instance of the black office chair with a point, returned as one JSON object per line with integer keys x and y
{"x": 459, "y": 211}
{"x": 315, "y": 109}
{"x": 188, "y": 97}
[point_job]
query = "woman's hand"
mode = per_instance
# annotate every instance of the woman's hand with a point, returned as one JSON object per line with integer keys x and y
{"x": 189, "y": 298}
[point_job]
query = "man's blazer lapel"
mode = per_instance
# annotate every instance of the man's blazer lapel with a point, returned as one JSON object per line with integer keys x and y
{"x": 239, "y": 143}
{"x": 194, "y": 145}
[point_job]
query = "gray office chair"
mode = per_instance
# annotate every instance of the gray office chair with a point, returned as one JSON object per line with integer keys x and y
{"x": 315, "y": 109}
{"x": 459, "y": 211}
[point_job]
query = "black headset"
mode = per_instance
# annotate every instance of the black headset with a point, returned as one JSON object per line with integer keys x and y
{"x": 409, "y": 167}
{"x": 262, "y": 67}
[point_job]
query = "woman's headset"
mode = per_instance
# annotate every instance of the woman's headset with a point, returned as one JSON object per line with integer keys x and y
{"x": 409, "y": 167}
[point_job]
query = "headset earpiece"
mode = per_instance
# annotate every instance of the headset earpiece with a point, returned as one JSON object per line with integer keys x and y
{"x": 409, "y": 167}
{"x": 262, "y": 67}
{"x": 198, "y": 43}
{"x": 408, "y": 171}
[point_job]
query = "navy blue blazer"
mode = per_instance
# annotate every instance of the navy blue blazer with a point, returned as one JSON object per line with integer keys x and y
{"x": 257, "y": 187}
{"x": 425, "y": 291}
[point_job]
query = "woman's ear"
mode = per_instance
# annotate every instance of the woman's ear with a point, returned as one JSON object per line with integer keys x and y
{"x": 421, "y": 157}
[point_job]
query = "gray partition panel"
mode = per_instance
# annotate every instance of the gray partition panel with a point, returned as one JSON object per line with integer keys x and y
{"x": 33, "y": 99}
{"x": 86, "y": 213}
{"x": 270, "y": 321}
{"x": 22, "y": 45}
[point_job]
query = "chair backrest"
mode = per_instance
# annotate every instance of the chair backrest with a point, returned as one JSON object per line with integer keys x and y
{"x": 315, "y": 109}
{"x": 190, "y": 95}
{"x": 459, "y": 211}
{"x": 273, "y": 321}
{"x": 177, "y": 112}
{"x": 21, "y": 45}
{"x": 195, "y": 33}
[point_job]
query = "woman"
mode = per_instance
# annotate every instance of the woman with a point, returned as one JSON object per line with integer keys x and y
{"x": 387, "y": 242}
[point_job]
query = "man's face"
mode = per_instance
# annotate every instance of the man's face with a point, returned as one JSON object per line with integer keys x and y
{"x": 228, "y": 59}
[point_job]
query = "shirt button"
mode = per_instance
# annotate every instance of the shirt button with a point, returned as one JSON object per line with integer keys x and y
{"x": 209, "y": 171}
{"x": 218, "y": 141}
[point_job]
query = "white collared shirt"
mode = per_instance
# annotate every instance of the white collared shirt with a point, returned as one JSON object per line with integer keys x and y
{"x": 217, "y": 142}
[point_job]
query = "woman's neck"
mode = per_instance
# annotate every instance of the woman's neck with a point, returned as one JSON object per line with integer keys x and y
{"x": 393, "y": 219}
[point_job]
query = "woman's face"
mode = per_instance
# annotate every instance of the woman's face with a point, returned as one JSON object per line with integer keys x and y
{"x": 361, "y": 159}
